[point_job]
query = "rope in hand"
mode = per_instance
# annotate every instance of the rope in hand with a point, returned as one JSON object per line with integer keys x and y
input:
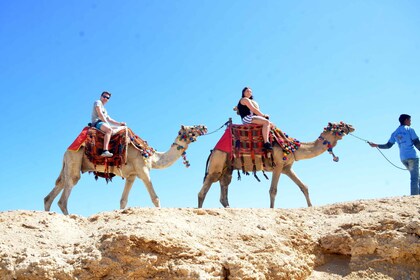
{"x": 378, "y": 150}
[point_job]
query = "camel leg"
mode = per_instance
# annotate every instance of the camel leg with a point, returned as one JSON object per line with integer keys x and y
{"x": 224, "y": 184}
{"x": 127, "y": 188}
{"x": 275, "y": 177}
{"x": 204, "y": 189}
{"x": 69, "y": 182}
{"x": 48, "y": 200}
{"x": 149, "y": 186}
{"x": 216, "y": 169}
{"x": 69, "y": 176}
{"x": 292, "y": 175}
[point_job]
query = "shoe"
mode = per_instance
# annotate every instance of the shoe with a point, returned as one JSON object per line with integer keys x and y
{"x": 267, "y": 146}
{"x": 107, "y": 154}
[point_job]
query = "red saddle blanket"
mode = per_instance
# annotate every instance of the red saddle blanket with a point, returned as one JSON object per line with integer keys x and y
{"x": 93, "y": 140}
{"x": 247, "y": 140}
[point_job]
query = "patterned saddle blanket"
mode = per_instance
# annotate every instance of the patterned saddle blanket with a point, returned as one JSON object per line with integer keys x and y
{"x": 246, "y": 141}
{"x": 93, "y": 140}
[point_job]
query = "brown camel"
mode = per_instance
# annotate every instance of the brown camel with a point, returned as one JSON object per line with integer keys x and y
{"x": 75, "y": 163}
{"x": 220, "y": 165}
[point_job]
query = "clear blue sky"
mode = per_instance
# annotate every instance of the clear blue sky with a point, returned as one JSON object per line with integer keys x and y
{"x": 169, "y": 63}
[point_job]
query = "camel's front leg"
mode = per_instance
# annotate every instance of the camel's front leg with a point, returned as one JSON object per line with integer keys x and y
{"x": 275, "y": 177}
{"x": 149, "y": 186}
{"x": 127, "y": 188}
{"x": 292, "y": 175}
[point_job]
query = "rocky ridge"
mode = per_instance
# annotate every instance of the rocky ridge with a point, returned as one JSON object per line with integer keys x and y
{"x": 366, "y": 239}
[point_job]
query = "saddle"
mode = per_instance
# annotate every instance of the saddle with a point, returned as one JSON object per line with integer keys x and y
{"x": 245, "y": 143}
{"x": 93, "y": 140}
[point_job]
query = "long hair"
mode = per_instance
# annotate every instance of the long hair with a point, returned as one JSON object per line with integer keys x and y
{"x": 243, "y": 92}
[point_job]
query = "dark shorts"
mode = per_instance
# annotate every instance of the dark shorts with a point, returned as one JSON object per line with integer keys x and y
{"x": 98, "y": 124}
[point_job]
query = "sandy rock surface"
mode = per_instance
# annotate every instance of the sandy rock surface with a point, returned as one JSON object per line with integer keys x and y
{"x": 367, "y": 239}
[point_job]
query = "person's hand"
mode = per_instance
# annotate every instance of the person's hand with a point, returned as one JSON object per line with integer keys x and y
{"x": 373, "y": 145}
{"x": 267, "y": 117}
{"x": 123, "y": 124}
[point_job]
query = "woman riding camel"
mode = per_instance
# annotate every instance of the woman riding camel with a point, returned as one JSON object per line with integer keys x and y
{"x": 249, "y": 111}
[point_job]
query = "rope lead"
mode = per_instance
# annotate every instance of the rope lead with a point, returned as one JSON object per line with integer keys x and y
{"x": 378, "y": 150}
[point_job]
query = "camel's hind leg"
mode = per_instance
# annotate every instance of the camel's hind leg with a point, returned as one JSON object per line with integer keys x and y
{"x": 210, "y": 179}
{"x": 224, "y": 186}
{"x": 59, "y": 185}
{"x": 69, "y": 176}
{"x": 216, "y": 165}
{"x": 70, "y": 181}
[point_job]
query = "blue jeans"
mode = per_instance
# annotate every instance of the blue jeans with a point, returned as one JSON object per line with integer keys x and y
{"x": 412, "y": 165}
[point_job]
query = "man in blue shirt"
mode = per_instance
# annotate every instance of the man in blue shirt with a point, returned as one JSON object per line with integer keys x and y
{"x": 406, "y": 138}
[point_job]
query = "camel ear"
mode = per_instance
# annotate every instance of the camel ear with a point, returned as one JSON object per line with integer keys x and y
{"x": 182, "y": 127}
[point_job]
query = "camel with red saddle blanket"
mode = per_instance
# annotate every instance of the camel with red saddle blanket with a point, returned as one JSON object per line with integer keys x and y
{"x": 286, "y": 151}
{"x": 133, "y": 158}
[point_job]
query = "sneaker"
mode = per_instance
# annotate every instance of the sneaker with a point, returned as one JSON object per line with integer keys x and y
{"x": 267, "y": 146}
{"x": 107, "y": 154}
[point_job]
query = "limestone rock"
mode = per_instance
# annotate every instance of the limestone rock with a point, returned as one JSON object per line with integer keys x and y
{"x": 366, "y": 239}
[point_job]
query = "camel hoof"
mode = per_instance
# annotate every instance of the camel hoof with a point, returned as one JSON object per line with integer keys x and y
{"x": 156, "y": 202}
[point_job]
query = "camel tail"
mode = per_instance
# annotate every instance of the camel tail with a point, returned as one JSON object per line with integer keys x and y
{"x": 207, "y": 166}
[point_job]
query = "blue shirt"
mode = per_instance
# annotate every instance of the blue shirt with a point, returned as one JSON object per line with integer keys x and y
{"x": 404, "y": 136}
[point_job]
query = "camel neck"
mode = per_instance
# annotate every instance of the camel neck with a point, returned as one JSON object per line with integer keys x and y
{"x": 165, "y": 159}
{"x": 314, "y": 149}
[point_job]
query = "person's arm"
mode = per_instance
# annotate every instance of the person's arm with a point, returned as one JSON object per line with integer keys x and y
{"x": 416, "y": 143}
{"x": 115, "y": 122}
{"x": 381, "y": 146}
{"x": 255, "y": 110}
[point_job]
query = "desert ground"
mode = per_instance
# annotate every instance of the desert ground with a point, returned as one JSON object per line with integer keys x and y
{"x": 364, "y": 239}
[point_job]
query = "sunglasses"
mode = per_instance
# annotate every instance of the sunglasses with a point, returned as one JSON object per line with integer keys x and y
{"x": 107, "y": 97}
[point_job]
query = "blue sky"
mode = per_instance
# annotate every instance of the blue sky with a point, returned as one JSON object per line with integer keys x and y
{"x": 169, "y": 63}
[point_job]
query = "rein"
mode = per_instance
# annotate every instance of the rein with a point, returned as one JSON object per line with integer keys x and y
{"x": 378, "y": 151}
{"x": 216, "y": 130}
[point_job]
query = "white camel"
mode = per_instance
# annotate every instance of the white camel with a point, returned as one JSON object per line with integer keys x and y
{"x": 75, "y": 163}
{"x": 220, "y": 165}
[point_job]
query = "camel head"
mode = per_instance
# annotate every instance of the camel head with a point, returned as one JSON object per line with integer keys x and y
{"x": 332, "y": 133}
{"x": 190, "y": 133}
{"x": 338, "y": 130}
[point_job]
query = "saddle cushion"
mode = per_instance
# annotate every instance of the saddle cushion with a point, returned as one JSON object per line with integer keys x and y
{"x": 94, "y": 145}
{"x": 93, "y": 140}
{"x": 242, "y": 141}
